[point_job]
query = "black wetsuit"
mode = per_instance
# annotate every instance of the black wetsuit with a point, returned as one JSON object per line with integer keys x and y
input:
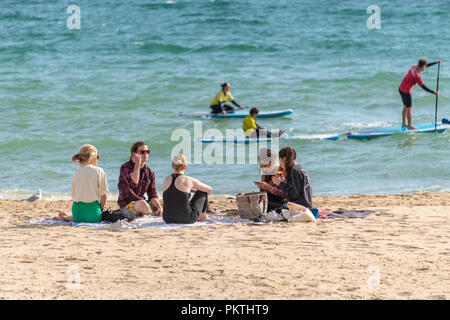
{"x": 178, "y": 209}
{"x": 218, "y": 108}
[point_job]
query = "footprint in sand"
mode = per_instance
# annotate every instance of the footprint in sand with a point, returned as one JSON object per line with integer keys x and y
{"x": 405, "y": 294}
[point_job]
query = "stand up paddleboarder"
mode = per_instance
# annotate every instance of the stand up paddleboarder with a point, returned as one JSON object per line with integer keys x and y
{"x": 405, "y": 88}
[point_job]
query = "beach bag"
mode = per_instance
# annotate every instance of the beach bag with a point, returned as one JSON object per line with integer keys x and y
{"x": 252, "y": 204}
{"x": 298, "y": 213}
{"x": 119, "y": 214}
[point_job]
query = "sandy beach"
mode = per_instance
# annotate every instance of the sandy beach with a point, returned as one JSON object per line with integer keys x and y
{"x": 400, "y": 252}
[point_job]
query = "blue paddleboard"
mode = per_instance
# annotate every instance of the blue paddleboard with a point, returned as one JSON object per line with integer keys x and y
{"x": 389, "y": 131}
{"x": 238, "y": 114}
{"x": 237, "y": 140}
{"x": 254, "y": 140}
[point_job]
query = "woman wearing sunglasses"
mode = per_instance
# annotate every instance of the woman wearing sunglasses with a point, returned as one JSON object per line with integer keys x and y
{"x": 135, "y": 180}
{"x": 89, "y": 188}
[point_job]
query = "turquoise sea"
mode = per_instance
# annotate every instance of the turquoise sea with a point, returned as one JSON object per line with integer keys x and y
{"x": 134, "y": 65}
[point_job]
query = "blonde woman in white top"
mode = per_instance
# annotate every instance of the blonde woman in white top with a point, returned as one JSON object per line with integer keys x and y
{"x": 89, "y": 187}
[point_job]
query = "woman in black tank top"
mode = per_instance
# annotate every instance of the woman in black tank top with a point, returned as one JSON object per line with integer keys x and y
{"x": 177, "y": 206}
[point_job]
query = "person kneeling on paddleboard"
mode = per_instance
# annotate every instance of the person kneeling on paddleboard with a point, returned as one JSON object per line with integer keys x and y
{"x": 405, "y": 88}
{"x": 224, "y": 95}
{"x": 253, "y": 130}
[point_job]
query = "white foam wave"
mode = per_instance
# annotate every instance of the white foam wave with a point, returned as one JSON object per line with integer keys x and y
{"x": 312, "y": 136}
{"x": 22, "y": 194}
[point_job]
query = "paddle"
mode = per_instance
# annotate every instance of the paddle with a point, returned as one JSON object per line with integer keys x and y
{"x": 435, "y": 109}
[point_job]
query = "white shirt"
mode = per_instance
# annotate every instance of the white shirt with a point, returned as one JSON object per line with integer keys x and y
{"x": 89, "y": 184}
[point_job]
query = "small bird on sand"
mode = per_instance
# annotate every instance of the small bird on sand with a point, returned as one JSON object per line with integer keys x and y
{"x": 35, "y": 197}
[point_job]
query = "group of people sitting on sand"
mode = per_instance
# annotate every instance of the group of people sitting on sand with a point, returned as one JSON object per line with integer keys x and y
{"x": 283, "y": 182}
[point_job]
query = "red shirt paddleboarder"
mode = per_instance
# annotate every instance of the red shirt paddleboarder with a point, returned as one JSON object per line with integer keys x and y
{"x": 405, "y": 88}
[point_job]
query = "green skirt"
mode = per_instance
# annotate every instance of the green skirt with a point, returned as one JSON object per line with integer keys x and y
{"x": 86, "y": 212}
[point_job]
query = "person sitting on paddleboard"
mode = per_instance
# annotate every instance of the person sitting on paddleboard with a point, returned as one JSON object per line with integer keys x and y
{"x": 405, "y": 88}
{"x": 253, "y": 130}
{"x": 224, "y": 95}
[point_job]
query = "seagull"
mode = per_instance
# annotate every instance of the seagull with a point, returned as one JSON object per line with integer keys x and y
{"x": 35, "y": 197}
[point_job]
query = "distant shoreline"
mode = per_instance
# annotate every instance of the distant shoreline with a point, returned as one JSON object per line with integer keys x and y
{"x": 331, "y": 201}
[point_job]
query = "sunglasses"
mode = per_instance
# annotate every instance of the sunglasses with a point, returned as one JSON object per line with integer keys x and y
{"x": 143, "y": 151}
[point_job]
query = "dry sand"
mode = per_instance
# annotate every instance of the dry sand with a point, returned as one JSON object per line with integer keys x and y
{"x": 401, "y": 252}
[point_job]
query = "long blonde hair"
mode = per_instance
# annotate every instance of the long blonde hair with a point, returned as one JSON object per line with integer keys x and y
{"x": 84, "y": 155}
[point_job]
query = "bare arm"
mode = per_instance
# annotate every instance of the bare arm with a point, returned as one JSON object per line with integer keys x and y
{"x": 103, "y": 201}
{"x": 201, "y": 186}
{"x": 157, "y": 204}
{"x": 137, "y": 167}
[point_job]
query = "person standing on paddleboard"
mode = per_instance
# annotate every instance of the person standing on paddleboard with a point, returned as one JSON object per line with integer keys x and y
{"x": 405, "y": 88}
{"x": 224, "y": 95}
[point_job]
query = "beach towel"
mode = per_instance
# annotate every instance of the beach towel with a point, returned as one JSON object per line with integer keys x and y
{"x": 143, "y": 222}
{"x": 323, "y": 213}
{"x": 346, "y": 214}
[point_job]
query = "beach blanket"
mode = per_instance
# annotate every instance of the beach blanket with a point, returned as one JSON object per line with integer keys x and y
{"x": 143, "y": 222}
{"x": 346, "y": 214}
{"x": 323, "y": 213}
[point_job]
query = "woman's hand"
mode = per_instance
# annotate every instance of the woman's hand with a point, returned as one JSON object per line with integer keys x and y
{"x": 263, "y": 186}
{"x": 137, "y": 159}
{"x": 158, "y": 212}
{"x": 266, "y": 186}
{"x": 277, "y": 180}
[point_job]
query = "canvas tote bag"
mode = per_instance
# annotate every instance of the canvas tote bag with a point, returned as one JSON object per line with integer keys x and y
{"x": 252, "y": 204}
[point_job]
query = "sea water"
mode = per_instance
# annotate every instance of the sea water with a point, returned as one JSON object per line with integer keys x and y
{"x": 132, "y": 66}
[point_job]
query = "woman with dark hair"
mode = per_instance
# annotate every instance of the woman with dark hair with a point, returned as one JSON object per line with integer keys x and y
{"x": 136, "y": 179}
{"x": 296, "y": 186}
{"x": 224, "y": 95}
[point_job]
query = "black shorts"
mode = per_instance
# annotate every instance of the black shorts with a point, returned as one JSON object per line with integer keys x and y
{"x": 406, "y": 98}
{"x": 216, "y": 108}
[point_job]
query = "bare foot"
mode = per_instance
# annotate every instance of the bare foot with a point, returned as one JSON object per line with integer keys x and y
{"x": 411, "y": 128}
{"x": 203, "y": 217}
{"x": 63, "y": 217}
{"x": 404, "y": 125}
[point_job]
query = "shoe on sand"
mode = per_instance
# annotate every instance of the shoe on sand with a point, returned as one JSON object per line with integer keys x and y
{"x": 122, "y": 225}
{"x": 273, "y": 216}
{"x": 261, "y": 220}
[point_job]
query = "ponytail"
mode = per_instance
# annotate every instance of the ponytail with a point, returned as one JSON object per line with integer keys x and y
{"x": 75, "y": 157}
{"x": 86, "y": 152}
